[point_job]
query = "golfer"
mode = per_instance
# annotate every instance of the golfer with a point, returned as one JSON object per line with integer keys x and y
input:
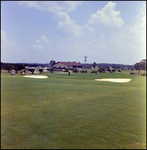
{"x": 69, "y": 73}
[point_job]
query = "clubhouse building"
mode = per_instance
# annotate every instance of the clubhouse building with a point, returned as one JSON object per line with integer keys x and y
{"x": 68, "y": 65}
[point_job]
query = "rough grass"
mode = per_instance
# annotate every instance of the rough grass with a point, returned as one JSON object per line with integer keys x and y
{"x": 73, "y": 112}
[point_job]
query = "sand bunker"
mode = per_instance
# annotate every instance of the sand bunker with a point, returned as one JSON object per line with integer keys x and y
{"x": 36, "y": 76}
{"x": 121, "y": 80}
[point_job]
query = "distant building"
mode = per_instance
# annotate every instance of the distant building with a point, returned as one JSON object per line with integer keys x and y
{"x": 28, "y": 67}
{"x": 68, "y": 65}
{"x": 36, "y": 69}
{"x": 49, "y": 66}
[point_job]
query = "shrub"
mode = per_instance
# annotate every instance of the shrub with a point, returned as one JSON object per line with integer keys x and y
{"x": 65, "y": 70}
{"x": 132, "y": 73}
{"x": 93, "y": 72}
{"x": 40, "y": 70}
{"x": 75, "y": 71}
{"x": 51, "y": 70}
{"x": 143, "y": 74}
{"x": 9, "y": 67}
{"x": 101, "y": 69}
{"x": 32, "y": 70}
{"x": 84, "y": 71}
{"x": 109, "y": 70}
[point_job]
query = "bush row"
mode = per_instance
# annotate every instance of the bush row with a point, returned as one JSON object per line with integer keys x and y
{"x": 75, "y": 71}
{"x": 132, "y": 73}
{"x": 93, "y": 72}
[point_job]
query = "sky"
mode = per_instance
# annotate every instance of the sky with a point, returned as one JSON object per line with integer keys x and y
{"x": 104, "y": 31}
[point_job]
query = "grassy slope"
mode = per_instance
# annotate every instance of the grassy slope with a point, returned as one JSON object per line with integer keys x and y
{"x": 72, "y": 112}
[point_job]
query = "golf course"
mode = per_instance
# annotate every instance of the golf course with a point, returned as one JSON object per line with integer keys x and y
{"x": 73, "y": 112}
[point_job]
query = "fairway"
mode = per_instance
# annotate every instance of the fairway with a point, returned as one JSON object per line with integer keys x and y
{"x": 73, "y": 112}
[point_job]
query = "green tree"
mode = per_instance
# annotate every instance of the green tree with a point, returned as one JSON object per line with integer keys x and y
{"x": 143, "y": 66}
{"x": 101, "y": 69}
{"x": 114, "y": 67}
{"x": 18, "y": 67}
{"x": 132, "y": 68}
{"x": 40, "y": 70}
{"x": 122, "y": 68}
{"x": 52, "y": 62}
{"x": 32, "y": 70}
{"x": 108, "y": 69}
{"x": 137, "y": 66}
{"x": 9, "y": 67}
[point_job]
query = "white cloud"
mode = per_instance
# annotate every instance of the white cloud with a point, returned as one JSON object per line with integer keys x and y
{"x": 29, "y": 4}
{"x": 53, "y": 6}
{"x": 3, "y": 35}
{"x": 130, "y": 40}
{"x": 5, "y": 43}
{"x": 38, "y": 47}
{"x": 61, "y": 46}
{"x": 41, "y": 44}
{"x": 136, "y": 34}
{"x": 70, "y": 5}
{"x": 98, "y": 43}
{"x": 44, "y": 39}
{"x": 9, "y": 49}
{"x": 88, "y": 28}
{"x": 107, "y": 16}
{"x": 67, "y": 26}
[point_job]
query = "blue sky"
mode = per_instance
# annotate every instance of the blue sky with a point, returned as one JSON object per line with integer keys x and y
{"x": 104, "y": 31}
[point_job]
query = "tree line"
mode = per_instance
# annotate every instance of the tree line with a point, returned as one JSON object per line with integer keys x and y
{"x": 102, "y": 66}
{"x": 140, "y": 66}
{"x": 21, "y": 67}
{"x": 12, "y": 66}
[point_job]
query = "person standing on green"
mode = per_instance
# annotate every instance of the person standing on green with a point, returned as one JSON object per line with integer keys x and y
{"x": 69, "y": 73}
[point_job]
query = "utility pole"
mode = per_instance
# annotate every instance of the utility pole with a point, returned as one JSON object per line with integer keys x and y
{"x": 85, "y": 62}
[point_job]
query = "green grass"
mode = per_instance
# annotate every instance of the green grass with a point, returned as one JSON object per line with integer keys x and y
{"x": 73, "y": 112}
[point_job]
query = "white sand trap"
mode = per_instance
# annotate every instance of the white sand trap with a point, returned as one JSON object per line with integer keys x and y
{"x": 120, "y": 80}
{"x": 36, "y": 76}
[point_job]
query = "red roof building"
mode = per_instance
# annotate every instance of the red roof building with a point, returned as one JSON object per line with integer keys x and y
{"x": 68, "y": 65}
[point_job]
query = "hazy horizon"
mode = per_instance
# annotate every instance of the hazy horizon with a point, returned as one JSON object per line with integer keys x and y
{"x": 70, "y": 61}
